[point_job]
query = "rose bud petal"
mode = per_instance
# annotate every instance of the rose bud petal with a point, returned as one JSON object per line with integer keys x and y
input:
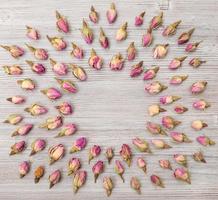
{"x": 139, "y": 19}
{"x": 17, "y": 147}
{"x": 52, "y": 123}
{"x": 79, "y": 72}
{"x": 157, "y": 21}
{"x": 78, "y": 145}
{"x": 180, "y": 159}
{"x": 37, "y": 146}
{"x": 160, "y": 51}
{"x": 38, "y": 173}
{"x": 137, "y": 69}
{"x": 169, "y": 123}
{"x": 93, "y": 15}
{"x": 57, "y": 42}
{"x": 94, "y": 151}
{"x": 155, "y": 129}
{"x": 182, "y": 174}
{"x": 109, "y": 154}
{"x": 135, "y": 184}
{"x": 121, "y": 32}
{"x": 126, "y": 154}
{"x": 205, "y": 141}
{"x": 67, "y": 130}
{"x": 165, "y": 164}
{"x": 39, "y": 53}
{"x": 142, "y": 164}
{"x": 119, "y": 169}
{"x": 24, "y": 168}
{"x": 14, "y": 50}
{"x": 23, "y": 130}
{"x": 32, "y": 33}
{"x": 87, "y": 33}
{"x": 13, "y": 119}
{"x": 147, "y": 38}
{"x": 155, "y": 109}
{"x": 54, "y": 178}
{"x": 131, "y": 51}
{"x": 108, "y": 185}
{"x": 150, "y": 73}
{"x": 179, "y": 137}
{"x": 160, "y": 144}
{"x": 27, "y": 84}
{"x": 190, "y": 47}
{"x": 55, "y": 153}
{"x": 198, "y": 87}
{"x": 171, "y": 29}
{"x": 156, "y": 180}
{"x": 166, "y": 100}
{"x": 184, "y": 37}
{"x": 141, "y": 145}
{"x": 95, "y": 61}
{"x": 103, "y": 39}
{"x": 73, "y": 165}
{"x": 61, "y": 23}
{"x": 67, "y": 85}
{"x": 198, "y": 125}
{"x": 155, "y": 87}
{"x": 176, "y": 62}
{"x": 52, "y": 93}
{"x": 179, "y": 109}
{"x": 199, "y": 157}
{"x": 177, "y": 80}
{"x": 77, "y": 52}
{"x": 200, "y": 104}
{"x": 116, "y": 62}
{"x": 13, "y": 70}
{"x": 111, "y": 14}
{"x": 79, "y": 180}
{"x": 36, "y": 110}
{"x": 58, "y": 68}
{"x": 64, "y": 108}
{"x": 97, "y": 169}
{"x": 38, "y": 68}
{"x": 196, "y": 62}
{"x": 16, "y": 99}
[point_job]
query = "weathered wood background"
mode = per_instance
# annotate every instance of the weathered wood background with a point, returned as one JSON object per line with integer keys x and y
{"x": 110, "y": 108}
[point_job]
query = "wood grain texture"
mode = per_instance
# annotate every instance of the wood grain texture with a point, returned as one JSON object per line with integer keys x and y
{"x": 110, "y": 108}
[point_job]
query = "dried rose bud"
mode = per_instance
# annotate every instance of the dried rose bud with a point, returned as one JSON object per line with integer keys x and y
{"x": 38, "y": 173}
{"x": 198, "y": 125}
{"x": 16, "y": 99}
{"x": 179, "y": 137}
{"x": 52, "y": 123}
{"x": 126, "y": 154}
{"x": 137, "y": 69}
{"x": 27, "y": 84}
{"x": 73, "y": 165}
{"x": 166, "y": 100}
{"x": 87, "y": 33}
{"x": 155, "y": 129}
{"x": 14, "y": 119}
{"x": 103, "y": 39}
{"x": 141, "y": 145}
{"x": 160, "y": 144}
{"x": 32, "y": 33}
{"x": 39, "y": 53}
{"x": 160, "y": 51}
{"x": 155, "y": 109}
{"x": 180, "y": 159}
{"x": 78, "y": 145}
{"x": 135, "y": 184}
{"x": 199, "y": 157}
{"x": 171, "y": 29}
{"x": 79, "y": 72}
{"x": 147, "y": 38}
{"x": 200, "y": 104}
{"x": 38, "y": 68}
{"x": 198, "y": 87}
{"x": 77, "y": 52}
{"x": 13, "y": 70}
{"x": 57, "y": 42}
{"x": 182, "y": 174}
{"x": 95, "y": 61}
{"x": 150, "y": 73}
{"x": 205, "y": 141}
{"x": 109, "y": 154}
{"x": 157, "y": 21}
{"x": 192, "y": 46}
{"x": 156, "y": 180}
{"x": 37, "y": 146}
{"x": 184, "y": 37}
{"x": 131, "y": 51}
{"x": 139, "y": 19}
{"x": 179, "y": 109}
{"x": 61, "y": 23}
{"x": 108, "y": 185}
{"x": 67, "y": 85}
{"x": 52, "y": 93}
{"x": 36, "y": 110}
{"x": 119, "y": 169}
{"x": 54, "y": 178}
{"x": 64, "y": 108}
{"x": 155, "y": 87}
{"x": 17, "y": 147}
{"x": 111, "y": 14}
{"x": 116, "y": 62}
{"x": 177, "y": 80}
{"x": 169, "y": 123}
{"x": 23, "y": 130}
{"x": 142, "y": 164}
{"x": 176, "y": 62}
{"x": 97, "y": 169}
{"x": 14, "y": 50}
{"x": 165, "y": 164}
{"x": 121, "y": 32}
{"x": 196, "y": 62}
{"x": 58, "y": 67}
{"x": 94, "y": 151}
{"x": 79, "y": 180}
{"x": 93, "y": 15}
{"x": 55, "y": 153}
{"x": 67, "y": 130}
{"x": 24, "y": 168}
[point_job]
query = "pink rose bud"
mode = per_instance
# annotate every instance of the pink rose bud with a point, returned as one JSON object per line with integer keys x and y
{"x": 73, "y": 165}
{"x": 199, "y": 157}
{"x": 137, "y": 69}
{"x": 176, "y": 63}
{"x": 54, "y": 178}
{"x": 141, "y": 145}
{"x": 23, "y": 130}
{"x": 17, "y": 147}
{"x": 79, "y": 180}
{"x": 179, "y": 109}
{"x": 111, "y": 14}
{"x": 184, "y": 37}
{"x": 139, "y": 19}
{"x": 205, "y": 141}
{"x": 155, "y": 129}
{"x": 52, "y": 123}
{"x": 57, "y": 42}
{"x": 155, "y": 109}
{"x": 24, "y": 168}
{"x": 160, "y": 144}
{"x": 109, "y": 154}
{"x": 108, "y": 185}
{"x": 200, "y": 104}
{"x": 155, "y": 87}
{"x": 38, "y": 68}
{"x": 196, "y": 62}
{"x": 116, "y": 62}
{"x": 131, "y": 51}
{"x": 169, "y": 123}
{"x": 65, "y": 108}
{"x": 78, "y": 145}
{"x": 87, "y": 33}
{"x": 179, "y": 137}
{"x": 97, "y": 169}
{"x": 180, "y": 159}
{"x": 36, "y": 110}
{"x": 67, "y": 85}
{"x": 157, "y": 21}
{"x": 37, "y": 146}
{"x": 177, "y": 80}
{"x": 156, "y": 180}
{"x": 198, "y": 125}
{"x": 27, "y": 84}
{"x": 61, "y": 23}
{"x": 119, "y": 169}
{"x": 198, "y": 87}
{"x": 142, "y": 164}
{"x": 52, "y": 93}
{"x": 182, "y": 174}
{"x": 16, "y": 99}
{"x": 150, "y": 73}
{"x": 39, "y": 173}
{"x": 103, "y": 39}
{"x": 135, "y": 184}
{"x": 32, "y": 33}
{"x": 13, "y": 70}
{"x": 67, "y": 130}
{"x": 94, "y": 151}
{"x": 171, "y": 29}
{"x": 160, "y": 51}
{"x": 165, "y": 164}
{"x": 58, "y": 68}
{"x": 95, "y": 61}
{"x": 147, "y": 38}
{"x": 190, "y": 47}
{"x": 93, "y": 15}
{"x": 121, "y": 32}
{"x": 55, "y": 153}
{"x": 14, "y": 50}
{"x": 14, "y": 119}
{"x": 77, "y": 52}
{"x": 79, "y": 72}
{"x": 126, "y": 154}
{"x": 39, "y": 53}
{"x": 166, "y": 100}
